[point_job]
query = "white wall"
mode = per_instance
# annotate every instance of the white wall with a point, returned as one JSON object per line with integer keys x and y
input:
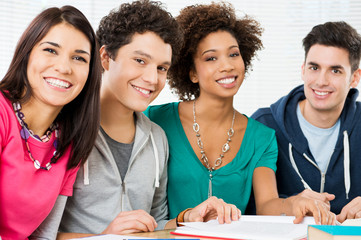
{"x": 276, "y": 70}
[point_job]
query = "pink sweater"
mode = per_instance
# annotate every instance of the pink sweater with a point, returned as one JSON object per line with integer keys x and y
{"x": 27, "y": 195}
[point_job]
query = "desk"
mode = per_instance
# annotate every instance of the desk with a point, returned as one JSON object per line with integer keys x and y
{"x": 164, "y": 234}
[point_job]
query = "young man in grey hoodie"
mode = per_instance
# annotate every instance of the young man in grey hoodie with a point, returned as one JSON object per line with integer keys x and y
{"x": 122, "y": 187}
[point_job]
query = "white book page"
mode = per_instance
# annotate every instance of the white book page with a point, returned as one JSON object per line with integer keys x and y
{"x": 251, "y": 227}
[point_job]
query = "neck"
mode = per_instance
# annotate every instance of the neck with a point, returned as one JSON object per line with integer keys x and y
{"x": 320, "y": 119}
{"x": 39, "y": 117}
{"x": 117, "y": 120}
{"x": 214, "y": 109}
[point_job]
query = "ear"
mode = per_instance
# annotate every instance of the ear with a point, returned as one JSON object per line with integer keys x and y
{"x": 355, "y": 79}
{"x": 104, "y": 58}
{"x": 303, "y": 71}
{"x": 193, "y": 76}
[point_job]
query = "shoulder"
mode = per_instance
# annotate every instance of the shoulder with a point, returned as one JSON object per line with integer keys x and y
{"x": 155, "y": 129}
{"x": 160, "y": 111}
{"x": 261, "y": 113}
{"x": 261, "y": 131}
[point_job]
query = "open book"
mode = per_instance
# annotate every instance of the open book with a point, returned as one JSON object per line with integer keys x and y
{"x": 249, "y": 227}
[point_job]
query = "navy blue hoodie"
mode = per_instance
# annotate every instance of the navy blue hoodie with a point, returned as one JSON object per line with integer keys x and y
{"x": 282, "y": 117}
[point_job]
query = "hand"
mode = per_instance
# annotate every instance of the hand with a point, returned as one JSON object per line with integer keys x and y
{"x": 131, "y": 222}
{"x": 320, "y": 210}
{"x": 211, "y": 209}
{"x": 351, "y": 210}
{"x": 324, "y": 197}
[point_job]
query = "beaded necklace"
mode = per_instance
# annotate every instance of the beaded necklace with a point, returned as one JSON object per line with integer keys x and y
{"x": 225, "y": 147}
{"x": 25, "y": 133}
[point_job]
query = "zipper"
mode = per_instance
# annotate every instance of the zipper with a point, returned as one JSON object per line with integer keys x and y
{"x": 123, "y": 194}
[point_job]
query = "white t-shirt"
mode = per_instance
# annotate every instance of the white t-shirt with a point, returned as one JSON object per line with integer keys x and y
{"x": 321, "y": 141}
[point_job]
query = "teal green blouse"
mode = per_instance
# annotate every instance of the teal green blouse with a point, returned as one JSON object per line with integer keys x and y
{"x": 188, "y": 179}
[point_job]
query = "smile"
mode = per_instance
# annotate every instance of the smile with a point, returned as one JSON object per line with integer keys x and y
{"x": 58, "y": 83}
{"x": 227, "y": 80}
{"x": 320, "y": 93}
{"x": 142, "y": 90}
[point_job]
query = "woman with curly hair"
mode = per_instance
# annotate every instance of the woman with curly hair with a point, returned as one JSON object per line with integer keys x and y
{"x": 213, "y": 149}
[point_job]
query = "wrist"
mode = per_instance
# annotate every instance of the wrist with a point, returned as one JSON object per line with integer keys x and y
{"x": 181, "y": 217}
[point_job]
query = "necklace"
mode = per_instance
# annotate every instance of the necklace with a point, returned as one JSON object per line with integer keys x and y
{"x": 25, "y": 133}
{"x": 200, "y": 144}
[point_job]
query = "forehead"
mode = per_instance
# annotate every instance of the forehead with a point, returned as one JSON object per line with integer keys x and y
{"x": 149, "y": 43}
{"x": 67, "y": 35}
{"x": 217, "y": 40}
{"x": 328, "y": 56}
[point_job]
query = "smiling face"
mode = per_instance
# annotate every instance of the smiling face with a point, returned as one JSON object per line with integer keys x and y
{"x": 58, "y": 66}
{"x": 138, "y": 73}
{"x": 219, "y": 67}
{"x": 327, "y": 79}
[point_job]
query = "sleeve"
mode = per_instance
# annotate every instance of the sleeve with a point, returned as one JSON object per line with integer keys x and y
{"x": 69, "y": 180}
{"x": 269, "y": 156}
{"x": 48, "y": 229}
{"x": 160, "y": 204}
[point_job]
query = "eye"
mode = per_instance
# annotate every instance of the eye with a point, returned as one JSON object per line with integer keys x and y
{"x": 79, "y": 58}
{"x": 236, "y": 54}
{"x": 313, "y": 68}
{"x": 163, "y": 69}
{"x": 336, "y": 71}
{"x": 211, "y": 59}
{"x": 140, "y": 61}
{"x": 50, "y": 50}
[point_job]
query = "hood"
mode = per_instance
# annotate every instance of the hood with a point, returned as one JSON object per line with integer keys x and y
{"x": 284, "y": 111}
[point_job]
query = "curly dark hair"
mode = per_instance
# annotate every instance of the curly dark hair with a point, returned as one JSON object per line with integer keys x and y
{"x": 118, "y": 27}
{"x": 197, "y": 21}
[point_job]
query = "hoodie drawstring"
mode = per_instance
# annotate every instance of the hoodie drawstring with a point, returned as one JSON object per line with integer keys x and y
{"x": 86, "y": 173}
{"x": 346, "y": 163}
{"x": 156, "y": 184}
{"x": 305, "y": 185}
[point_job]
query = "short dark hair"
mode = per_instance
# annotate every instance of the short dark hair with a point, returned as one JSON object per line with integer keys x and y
{"x": 78, "y": 120}
{"x": 336, "y": 34}
{"x": 118, "y": 27}
{"x": 197, "y": 21}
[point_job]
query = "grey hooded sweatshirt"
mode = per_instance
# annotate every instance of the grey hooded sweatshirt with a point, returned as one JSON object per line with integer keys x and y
{"x": 99, "y": 192}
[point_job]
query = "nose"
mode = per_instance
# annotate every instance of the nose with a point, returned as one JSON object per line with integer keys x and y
{"x": 322, "y": 79}
{"x": 150, "y": 75}
{"x": 63, "y": 65}
{"x": 225, "y": 65}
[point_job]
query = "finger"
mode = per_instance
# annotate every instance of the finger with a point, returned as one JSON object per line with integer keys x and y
{"x": 298, "y": 219}
{"x": 326, "y": 215}
{"x": 316, "y": 212}
{"x": 227, "y": 213}
{"x": 235, "y": 212}
{"x": 141, "y": 220}
{"x": 220, "y": 213}
{"x": 341, "y": 217}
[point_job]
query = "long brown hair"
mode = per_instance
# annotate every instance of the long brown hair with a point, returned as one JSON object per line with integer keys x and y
{"x": 78, "y": 120}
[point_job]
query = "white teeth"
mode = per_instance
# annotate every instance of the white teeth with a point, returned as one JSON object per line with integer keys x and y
{"x": 321, "y": 93}
{"x": 144, "y": 91}
{"x": 57, "y": 83}
{"x": 226, "y": 80}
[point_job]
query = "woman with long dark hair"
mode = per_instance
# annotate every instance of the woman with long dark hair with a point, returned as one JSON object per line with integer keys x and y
{"x": 49, "y": 118}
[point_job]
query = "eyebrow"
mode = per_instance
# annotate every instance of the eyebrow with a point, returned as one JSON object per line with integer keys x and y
{"x": 214, "y": 50}
{"x": 332, "y": 66}
{"x": 149, "y": 56}
{"x": 58, "y": 46}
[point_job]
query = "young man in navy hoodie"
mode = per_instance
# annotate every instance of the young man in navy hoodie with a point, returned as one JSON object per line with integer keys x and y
{"x": 318, "y": 124}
